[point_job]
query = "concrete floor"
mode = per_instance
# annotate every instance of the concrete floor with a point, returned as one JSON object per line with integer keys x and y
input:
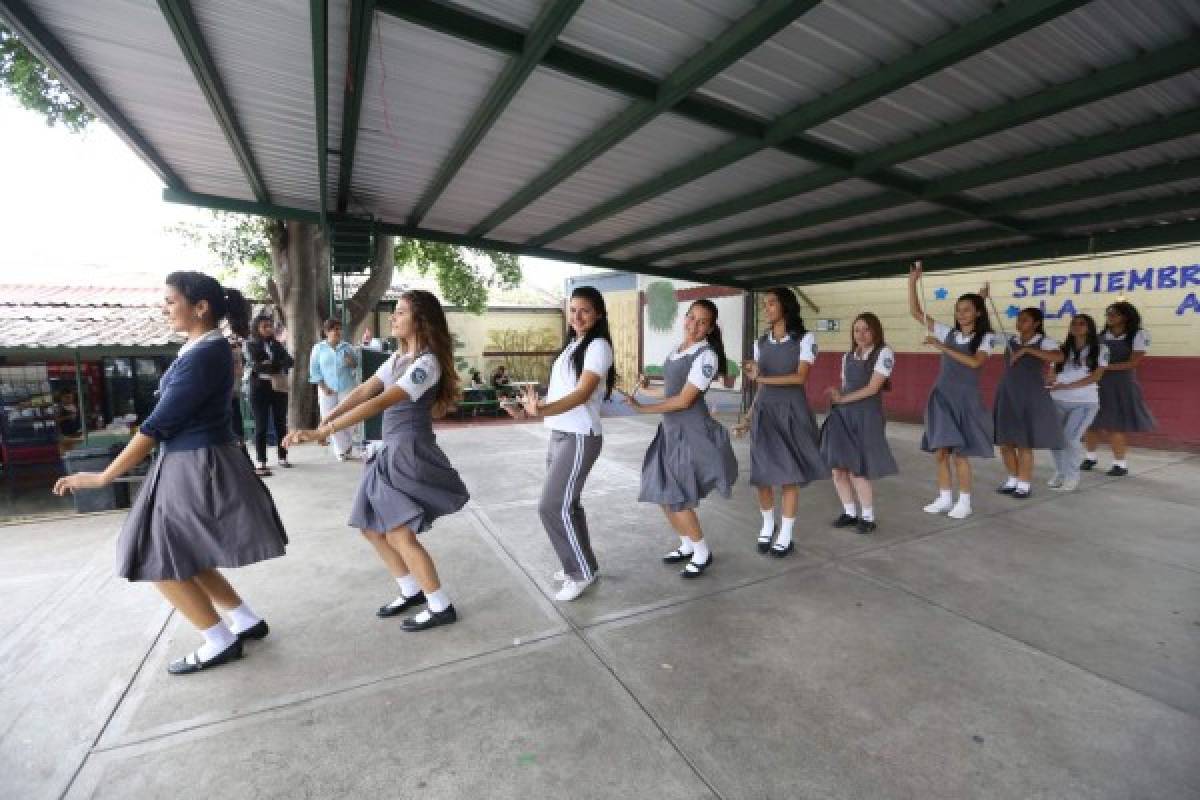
{"x": 1047, "y": 649}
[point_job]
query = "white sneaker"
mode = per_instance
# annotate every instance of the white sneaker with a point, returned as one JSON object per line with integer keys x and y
{"x": 960, "y": 511}
{"x": 1067, "y": 486}
{"x": 1055, "y": 482}
{"x": 939, "y": 506}
{"x": 572, "y": 588}
{"x": 560, "y": 575}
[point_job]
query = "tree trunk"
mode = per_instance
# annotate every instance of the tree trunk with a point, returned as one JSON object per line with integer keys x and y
{"x": 379, "y": 280}
{"x": 298, "y": 275}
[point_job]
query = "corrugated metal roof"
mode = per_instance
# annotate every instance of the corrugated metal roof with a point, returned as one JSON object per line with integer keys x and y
{"x": 430, "y": 66}
{"x": 83, "y": 316}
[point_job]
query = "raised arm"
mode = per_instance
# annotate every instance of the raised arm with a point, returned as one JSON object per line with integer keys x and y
{"x": 914, "y": 302}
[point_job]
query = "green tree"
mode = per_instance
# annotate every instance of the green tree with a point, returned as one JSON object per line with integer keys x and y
{"x": 464, "y": 274}
{"x": 36, "y": 87}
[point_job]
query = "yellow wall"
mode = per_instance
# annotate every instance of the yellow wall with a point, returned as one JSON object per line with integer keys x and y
{"x": 623, "y": 312}
{"x": 1172, "y": 315}
{"x": 538, "y": 329}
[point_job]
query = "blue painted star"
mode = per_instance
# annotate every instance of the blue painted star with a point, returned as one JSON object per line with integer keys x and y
{"x": 941, "y": 293}
{"x": 1011, "y": 312}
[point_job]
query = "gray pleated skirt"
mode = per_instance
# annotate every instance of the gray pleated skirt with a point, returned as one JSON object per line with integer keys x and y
{"x": 1122, "y": 407}
{"x": 409, "y": 483}
{"x": 955, "y": 418}
{"x": 199, "y": 510}
{"x": 685, "y": 462}
{"x": 784, "y": 447}
{"x": 853, "y": 438}
{"x": 1026, "y": 417}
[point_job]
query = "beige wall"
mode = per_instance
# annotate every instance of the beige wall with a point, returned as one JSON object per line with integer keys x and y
{"x": 1172, "y": 315}
{"x": 623, "y": 311}
{"x": 524, "y": 331}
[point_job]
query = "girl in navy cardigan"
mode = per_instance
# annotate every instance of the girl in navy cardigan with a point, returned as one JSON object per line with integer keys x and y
{"x": 201, "y": 506}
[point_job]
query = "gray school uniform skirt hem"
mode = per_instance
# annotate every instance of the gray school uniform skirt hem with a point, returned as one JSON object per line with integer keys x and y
{"x": 853, "y": 438}
{"x": 1122, "y": 407}
{"x": 199, "y": 510}
{"x": 961, "y": 424}
{"x": 408, "y": 483}
{"x": 783, "y": 445}
{"x": 687, "y": 462}
{"x": 1027, "y": 419}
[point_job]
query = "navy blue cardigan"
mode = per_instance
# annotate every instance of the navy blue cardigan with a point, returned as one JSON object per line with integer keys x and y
{"x": 193, "y": 408}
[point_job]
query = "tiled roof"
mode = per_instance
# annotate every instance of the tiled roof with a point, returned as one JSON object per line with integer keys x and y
{"x": 82, "y": 316}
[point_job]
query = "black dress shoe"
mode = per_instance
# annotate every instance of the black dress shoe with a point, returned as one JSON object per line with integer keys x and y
{"x": 765, "y": 544}
{"x": 258, "y": 630}
{"x": 1087, "y": 464}
{"x": 1021, "y": 495}
{"x": 782, "y": 552}
{"x": 676, "y": 556}
{"x": 865, "y": 525}
{"x": 192, "y": 663}
{"x": 1117, "y": 472}
{"x": 1006, "y": 489}
{"x": 435, "y": 618}
{"x": 845, "y": 521}
{"x": 417, "y": 599}
{"x": 694, "y": 570}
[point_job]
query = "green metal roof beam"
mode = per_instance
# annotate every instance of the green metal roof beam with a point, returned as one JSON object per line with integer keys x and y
{"x": 1149, "y": 68}
{"x": 38, "y": 38}
{"x": 1150, "y": 236}
{"x": 1099, "y": 187}
{"x": 182, "y": 21}
{"x": 970, "y": 39}
{"x": 544, "y": 32}
{"x": 362, "y": 15}
{"x": 768, "y": 18}
{"x": 319, "y": 19}
{"x": 1104, "y": 144}
{"x": 217, "y": 203}
{"x": 1137, "y": 210}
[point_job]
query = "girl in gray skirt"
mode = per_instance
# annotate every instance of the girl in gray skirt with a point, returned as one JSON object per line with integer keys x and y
{"x": 1122, "y": 408}
{"x": 690, "y": 454}
{"x": 410, "y": 482}
{"x": 957, "y": 425}
{"x": 201, "y": 507}
{"x": 582, "y": 377}
{"x": 853, "y": 442}
{"x": 1025, "y": 416}
{"x": 783, "y": 433}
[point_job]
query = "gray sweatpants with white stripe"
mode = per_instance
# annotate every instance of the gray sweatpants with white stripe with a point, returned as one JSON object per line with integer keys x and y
{"x": 568, "y": 461}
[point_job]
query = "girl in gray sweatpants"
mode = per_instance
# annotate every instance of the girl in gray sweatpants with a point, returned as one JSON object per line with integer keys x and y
{"x": 582, "y": 377}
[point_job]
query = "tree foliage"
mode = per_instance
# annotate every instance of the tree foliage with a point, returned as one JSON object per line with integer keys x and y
{"x": 36, "y": 87}
{"x": 242, "y": 246}
{"x": 464, "y": 274}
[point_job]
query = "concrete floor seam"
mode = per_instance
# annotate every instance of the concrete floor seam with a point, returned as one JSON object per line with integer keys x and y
{"x": 979, "y": 623}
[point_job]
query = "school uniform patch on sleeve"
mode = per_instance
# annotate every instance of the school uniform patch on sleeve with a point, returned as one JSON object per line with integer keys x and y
{"x": 419, "y": 375}
{"x": 887, "y": 362}
{"x": 708, "y": 370}
{"x": 814, "y": 349}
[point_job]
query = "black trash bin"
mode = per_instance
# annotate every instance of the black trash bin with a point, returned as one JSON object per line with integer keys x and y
{"x": 96, "y": 459}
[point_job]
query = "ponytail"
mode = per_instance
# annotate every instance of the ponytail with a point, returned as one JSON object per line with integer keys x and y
{"x": 714, "y": 339}
{"x": 222, "y": 302}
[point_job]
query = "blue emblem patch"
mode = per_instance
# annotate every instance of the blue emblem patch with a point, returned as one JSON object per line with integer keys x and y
{"x": 708, "y": 370}
{"x": 887, "y": 362}
{"x": 814, "y": 349}
{"x": 419, "y": 375}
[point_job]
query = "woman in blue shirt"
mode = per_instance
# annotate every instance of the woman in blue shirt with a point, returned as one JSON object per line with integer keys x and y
{"x": 201, "y": 506}
{"x": 331, "y": 368}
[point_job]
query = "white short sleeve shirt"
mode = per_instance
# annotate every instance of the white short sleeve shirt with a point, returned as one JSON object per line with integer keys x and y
{"x": 1072, "y": 372}
{"x": 1047, "y": 343}
{"x": 414, "y": 375}
{"x": 941, "y": 330}
{"x": 808, "y": 348}
{"x": 1141, "y": 340}
{"x": 584, "y": 418}
{"x": 884, "y": 364}
{"x": 704, "y": 368}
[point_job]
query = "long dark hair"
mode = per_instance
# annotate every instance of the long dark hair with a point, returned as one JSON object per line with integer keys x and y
{"x": 257, "y": 323}
{"x": 1039, "y": 319}
{"x": 1071, "y": 352}
{"x": 1133, "y": 320}
{"x": 792, "y": 321}
{"x": 597, "y": 331}
{"x": 877, "y": 340}
{"x": 714, "y": 336}
{"x": 433, "y": 332}
{"x": 983, "y": 323}
{"x": 223, "y": 303}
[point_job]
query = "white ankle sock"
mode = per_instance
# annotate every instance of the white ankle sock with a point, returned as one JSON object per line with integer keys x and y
{"x": 1092, "y": 455}
{"x": 946, "y": 495}
{"x": 243, "y": 618}
{"x": 1011, "y": 483}
{"x": 850, "y": 509}
{"x": 685, "y": 545}
{"x": 785, "y": 533}
{"x": 964, "y": 499}
{"x": 437, "y": 601}
{"x": 768, "y": 526}
{"x": 216, "y": 639}
{"x": 868, "y": 513}
{"x": 408, "y": 585}
{"x": 700, "y": 554}
{"x": 1022, "y": 486}
{"x": 1122, "y": 463}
